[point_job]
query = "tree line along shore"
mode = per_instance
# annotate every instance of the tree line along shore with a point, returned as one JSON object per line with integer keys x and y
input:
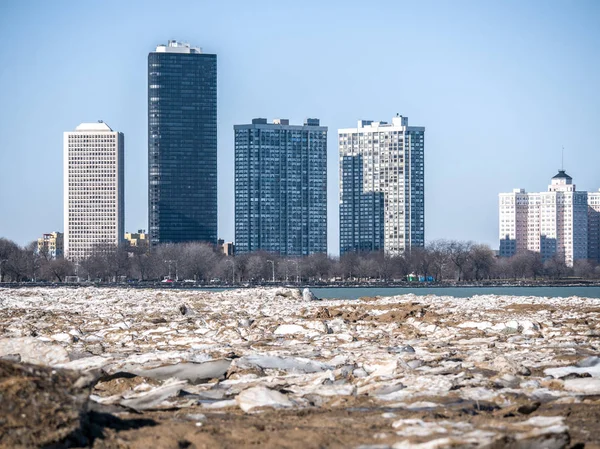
{"x": 442, "y": 263}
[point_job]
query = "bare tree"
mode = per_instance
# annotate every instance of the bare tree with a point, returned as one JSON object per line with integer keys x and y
{"x": 225, "y": 270}
{"x": 385, "y": 265}
{"x": 583, "y": 269}
{"x": 482, "y": 260}
{"x": 141, "y": 263}
{"x": 526, "y": 264}
{"x": 501, "y": 268}
{"x": 58, "y": 269}
{"x": 458, "y": 253}
{"x": 17, "y": 264}
{"x": 440, "y": 258}
{"x": 366, "y": 268}
{"x": 95, "y": 267}
{"x": 556, "y": 267}
{"x": 256, "y": 267}
{"x": 166, "y": 261}
{"x": 401, "y": 266}
{"x": 316, "y": 266}
{"x": 348, "y": 264}
{"x": 117, "y": 261}
{"x": 421, "y": 261}
{"x": 197, "y": 261}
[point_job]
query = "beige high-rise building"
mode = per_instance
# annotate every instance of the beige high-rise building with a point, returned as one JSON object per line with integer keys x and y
{"x": 93, "y": 189}
{"x": 551, "y": 223}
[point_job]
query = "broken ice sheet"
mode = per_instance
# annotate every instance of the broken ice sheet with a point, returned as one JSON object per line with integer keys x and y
{"x": 292, "y": 364}
{"x": 155, "y": 397}
{"x": 193, "y": 372}
{"x": 489, "y": 348}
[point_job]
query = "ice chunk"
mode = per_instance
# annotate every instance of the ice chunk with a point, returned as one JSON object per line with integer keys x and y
{"x": 34, "y": 351}
{"x": 194, "y": 372}
{"x": 586, "y": 385}
{"x": 293, "y": 364}
{"x": 154, "y": 398}
{"x": 86, "y": 363}
{"x": 307, "y": 295}
{"x": 62, "y": 337}
{"x": 261, "y": 396}
{"x": 590, "y": 365}
{"x": 290, "y": 329}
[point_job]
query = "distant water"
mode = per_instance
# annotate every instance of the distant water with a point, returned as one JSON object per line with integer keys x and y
{"x": 459, "y": 292}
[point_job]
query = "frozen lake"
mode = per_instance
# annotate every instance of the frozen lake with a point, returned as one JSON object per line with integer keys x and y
{"x": 457, "y": 292}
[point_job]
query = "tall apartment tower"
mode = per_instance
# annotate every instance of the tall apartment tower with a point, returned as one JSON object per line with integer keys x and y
{"x": 94, "y": 208}
{"x": 594, "y": 226}
{"x": 553, "y": 223}
{"x": 281, "y": 187}
{"x": 382, "y": 186}
{"x": 182, "y": 144}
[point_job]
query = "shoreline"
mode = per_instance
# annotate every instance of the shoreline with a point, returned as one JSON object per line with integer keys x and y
{"x": 404, "y": 285}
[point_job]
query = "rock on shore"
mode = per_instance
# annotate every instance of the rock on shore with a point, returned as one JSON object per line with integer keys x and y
{"x": 41, "y": 406}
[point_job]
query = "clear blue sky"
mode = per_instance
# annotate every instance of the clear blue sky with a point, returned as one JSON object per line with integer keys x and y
{"x": 499, "y": 86}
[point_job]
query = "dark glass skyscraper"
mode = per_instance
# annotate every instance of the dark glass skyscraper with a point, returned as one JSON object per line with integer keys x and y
{"x": 281, "y": 187}
{"x": 182, "y": 144}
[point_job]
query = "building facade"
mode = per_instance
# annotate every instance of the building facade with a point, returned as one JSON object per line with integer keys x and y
{"x": 226, "y": 248}
{"x": 382, "y": 186}
{"x": 362, "y": 228}
{"x": 594, "y": 226}
{"x": 137, "y": 239}
{"x": 51, "y": 245}
{"x": 94, "y": 209}
{"x": 182, "y": 144}
{"x": 281, "y": 187}
{"x": 552, "y": 223}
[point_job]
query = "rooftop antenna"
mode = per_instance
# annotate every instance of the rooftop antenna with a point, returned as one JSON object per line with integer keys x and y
{"x": 562, "y": 159}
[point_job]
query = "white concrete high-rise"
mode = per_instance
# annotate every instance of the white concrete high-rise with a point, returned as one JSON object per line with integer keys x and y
{"x": 93, "y": 189}
{"x": 551, "y": 223}
{"x": 382, "y": 186}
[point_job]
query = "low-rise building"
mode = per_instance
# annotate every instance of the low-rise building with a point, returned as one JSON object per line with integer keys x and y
{"x": 137, "y": 239}
{"x": 51, "y": 245}
{"x": 227, "y": 248}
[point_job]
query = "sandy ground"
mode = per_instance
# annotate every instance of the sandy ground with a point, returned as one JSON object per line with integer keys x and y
{"x": 267, "y": 368}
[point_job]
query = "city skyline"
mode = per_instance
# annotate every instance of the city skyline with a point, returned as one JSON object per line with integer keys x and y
{"x": 497, "y": 104}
